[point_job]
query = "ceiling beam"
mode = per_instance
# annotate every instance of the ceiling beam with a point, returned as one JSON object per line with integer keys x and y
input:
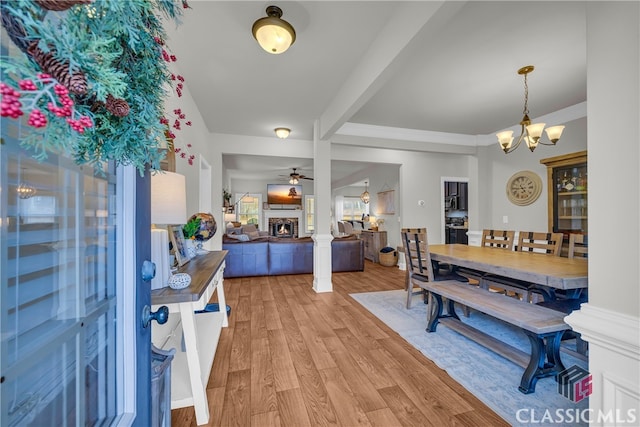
{"x": 389, "y": 51}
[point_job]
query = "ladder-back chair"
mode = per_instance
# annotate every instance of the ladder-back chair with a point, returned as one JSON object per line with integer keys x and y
{"x": 532, "y": 241}
{"x": 568, "y": 301}
{"x": 418, "y": 262}
{"x": 529, "y": 241}
{"x": 578, "y": 246}
{"x": 499, "y": 239}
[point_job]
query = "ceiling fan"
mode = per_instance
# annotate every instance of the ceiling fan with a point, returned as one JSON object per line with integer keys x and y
{"x": 295, "y": 177}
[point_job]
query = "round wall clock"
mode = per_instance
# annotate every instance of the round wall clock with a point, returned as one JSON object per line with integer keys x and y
{"x": 524, "y": 188}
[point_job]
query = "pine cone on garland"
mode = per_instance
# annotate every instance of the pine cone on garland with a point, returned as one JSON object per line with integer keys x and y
{"x": 59, "y": 5}
{"x": 76, "y": 82}
{"x": 117, "y": 106}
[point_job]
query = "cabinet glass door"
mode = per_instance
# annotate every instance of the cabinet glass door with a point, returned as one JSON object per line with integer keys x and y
{"x": 570, "y": 199}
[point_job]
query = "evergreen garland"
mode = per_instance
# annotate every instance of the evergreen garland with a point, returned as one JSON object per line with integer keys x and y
{"x": 114, "y": 48}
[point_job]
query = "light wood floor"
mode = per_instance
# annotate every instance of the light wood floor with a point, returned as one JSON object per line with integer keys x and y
{"x": 292, "y": 357}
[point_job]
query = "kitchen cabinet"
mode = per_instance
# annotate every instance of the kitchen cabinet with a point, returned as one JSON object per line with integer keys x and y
{"x": 373, "y": 242}
{"x": 567, "y": 193}
{"x": 459, "y": 191}
{"x": 456, "y": 235}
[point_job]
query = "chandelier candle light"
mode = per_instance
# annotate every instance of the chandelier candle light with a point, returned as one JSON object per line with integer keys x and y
{"x": 530, "y": 133}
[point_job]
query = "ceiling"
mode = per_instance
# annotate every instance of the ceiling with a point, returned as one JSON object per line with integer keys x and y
{"x": 420, "y": 66}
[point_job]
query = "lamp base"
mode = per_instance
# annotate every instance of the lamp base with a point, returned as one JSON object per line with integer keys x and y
{"x": 200, "y": 250}
{"x": 160, "y": 257}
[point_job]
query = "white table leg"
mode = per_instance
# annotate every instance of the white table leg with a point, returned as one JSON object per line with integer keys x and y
{"x": 198, "y": 389}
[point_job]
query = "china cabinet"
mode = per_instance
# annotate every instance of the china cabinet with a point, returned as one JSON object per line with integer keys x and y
{"x": 568, "y": 189}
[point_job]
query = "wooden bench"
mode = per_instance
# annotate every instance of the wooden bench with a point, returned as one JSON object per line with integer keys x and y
{"x": 544, "y": 327}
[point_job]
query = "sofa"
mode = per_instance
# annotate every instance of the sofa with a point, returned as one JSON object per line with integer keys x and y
{"x": 269, "y": 256}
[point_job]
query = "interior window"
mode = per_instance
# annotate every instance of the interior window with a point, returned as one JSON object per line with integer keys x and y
{"x": 249, "y": 208}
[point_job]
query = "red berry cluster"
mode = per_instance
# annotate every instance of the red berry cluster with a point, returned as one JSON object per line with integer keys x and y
{"x": 10, "y": 105}
{"x": 37, "y": 119}
{"x": 167, "y": 57}
{"x": 180, "y": 85}
{"x": 33, "y": 93}
{"x": 80, "y": 124}
{"x": 65, "y": 100}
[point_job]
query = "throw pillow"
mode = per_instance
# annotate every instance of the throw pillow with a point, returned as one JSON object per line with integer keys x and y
{"x": 240, "y": 237}
{"x": 252, "y": 234}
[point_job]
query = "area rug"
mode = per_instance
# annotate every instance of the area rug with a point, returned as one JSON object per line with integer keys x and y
{"x": 490, "y": 377}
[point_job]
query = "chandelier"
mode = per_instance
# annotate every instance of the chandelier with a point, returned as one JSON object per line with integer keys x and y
{"x": 530, "y": 133}
{"x": 25, "y": 190}
{"x": 365, "y": 195}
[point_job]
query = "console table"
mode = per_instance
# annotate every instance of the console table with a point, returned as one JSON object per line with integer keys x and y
{"x": 194, "y": 355}
{"x": 373, "y": 242}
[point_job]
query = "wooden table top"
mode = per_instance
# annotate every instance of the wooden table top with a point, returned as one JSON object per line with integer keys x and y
{"x": 543, "y": 269}
{"x": 202, "y": 268}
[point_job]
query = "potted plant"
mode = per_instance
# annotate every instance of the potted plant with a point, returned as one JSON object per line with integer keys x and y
{"x": 226, "y": 196}
{"x": 189, "y": 231}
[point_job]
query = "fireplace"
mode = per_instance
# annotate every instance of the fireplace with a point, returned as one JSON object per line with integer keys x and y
{"x": 283, "y": 227}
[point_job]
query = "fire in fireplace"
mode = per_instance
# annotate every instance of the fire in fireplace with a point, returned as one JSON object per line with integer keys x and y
{"x": 283, "y": 228}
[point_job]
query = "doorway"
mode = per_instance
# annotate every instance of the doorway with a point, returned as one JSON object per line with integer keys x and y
{"x": 455, "y": 209}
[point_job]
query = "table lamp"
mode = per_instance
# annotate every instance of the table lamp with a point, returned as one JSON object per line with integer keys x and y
{"x": 168, "y": 207}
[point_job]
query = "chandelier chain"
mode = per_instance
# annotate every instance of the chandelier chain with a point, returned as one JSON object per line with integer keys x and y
{"x": 526, "y": 96}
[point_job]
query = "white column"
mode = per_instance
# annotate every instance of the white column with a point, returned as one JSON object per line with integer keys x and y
{"x": 322, "y": 235}
{"x": 610, "y": 322}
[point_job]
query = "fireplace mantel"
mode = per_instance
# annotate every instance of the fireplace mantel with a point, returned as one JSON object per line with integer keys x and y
{"x": 267, "y": 214}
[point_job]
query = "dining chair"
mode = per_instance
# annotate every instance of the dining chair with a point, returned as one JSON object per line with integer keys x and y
{"x": 529, "y": 241}
{"x": 502, "y": 239}
{"x": 499, "y": 239}
{"x": 348, "y": 227}
{"x": 578, "y": 246}
{"x": 532, "y": 241}
{"x": 340, "y": 227}
{"x": 568, "y": 301}
{"x": 420, "y": 268}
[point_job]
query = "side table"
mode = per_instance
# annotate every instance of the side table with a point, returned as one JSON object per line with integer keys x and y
{"x": 192, "y": 364}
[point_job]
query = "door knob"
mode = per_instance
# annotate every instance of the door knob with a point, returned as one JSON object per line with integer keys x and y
{"x": 161, "y": 316}
{"x": 148, "y": 270}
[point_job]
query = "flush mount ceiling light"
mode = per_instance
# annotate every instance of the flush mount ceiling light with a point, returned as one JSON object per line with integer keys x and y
{"x": 282, "y": 133}
{"x": 530, "y": 133}
{"x": 273, "y": 34}
{"x": 365, "y": 195}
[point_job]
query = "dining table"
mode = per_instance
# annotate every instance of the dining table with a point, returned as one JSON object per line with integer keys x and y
{"x": 536, "y": 268}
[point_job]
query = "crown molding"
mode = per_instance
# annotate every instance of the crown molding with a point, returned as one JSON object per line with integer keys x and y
{"x": 564, "y": 115}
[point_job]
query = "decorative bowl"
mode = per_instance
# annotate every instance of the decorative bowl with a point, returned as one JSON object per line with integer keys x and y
{"x": 179, "y": 281}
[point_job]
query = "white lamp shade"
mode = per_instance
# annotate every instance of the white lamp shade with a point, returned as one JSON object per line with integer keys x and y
{"x": 168, "y": 198}
{"x": 505, "y": 138}
{"x": 554, "y": 133}
{"x": 535, "y": 130}
{"x": 273, "y": 36}
{"x": 282, "y": 133}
